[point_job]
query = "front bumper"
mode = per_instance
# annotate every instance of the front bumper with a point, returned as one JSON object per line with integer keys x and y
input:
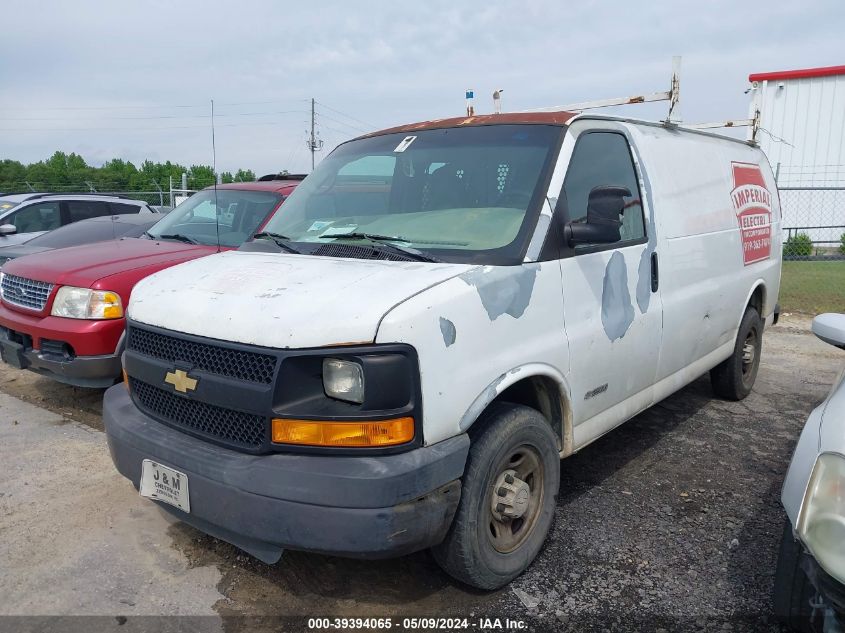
{"x": 830, "y": 590}
{"x": 79, "y": 371}
{"x": 362, "y": 507}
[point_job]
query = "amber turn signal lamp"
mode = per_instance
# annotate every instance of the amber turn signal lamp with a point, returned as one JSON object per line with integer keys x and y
{"x": 125, "y": 380}
{"x": 351, "y": 434}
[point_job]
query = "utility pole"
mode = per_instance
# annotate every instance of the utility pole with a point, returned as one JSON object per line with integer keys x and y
{"x": 314, "y": 144}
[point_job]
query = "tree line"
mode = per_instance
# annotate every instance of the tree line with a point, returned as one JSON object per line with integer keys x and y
{"x": 70, "y": 172}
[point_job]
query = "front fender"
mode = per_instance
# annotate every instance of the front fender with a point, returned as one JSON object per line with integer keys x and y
{"x": 478, "y": 333}
{"x": 500, "y": 384}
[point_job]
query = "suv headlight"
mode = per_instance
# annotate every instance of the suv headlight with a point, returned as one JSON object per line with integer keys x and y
{"x": 821, "y": 524}
{"x": 83, "y": 303}
{"x": 343, "y": 380}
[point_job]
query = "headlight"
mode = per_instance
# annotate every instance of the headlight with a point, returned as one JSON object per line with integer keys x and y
{"x": 3, "y": 260}
{"x": 82, "y": 303}
{"x": 343, "y": 379}
{"x": 821, "y": 523}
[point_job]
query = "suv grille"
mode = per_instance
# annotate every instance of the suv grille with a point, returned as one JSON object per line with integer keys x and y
{"x": 234, "y": 363}
{"x": 244, "y": 430}
{"x": 26, "y": 293}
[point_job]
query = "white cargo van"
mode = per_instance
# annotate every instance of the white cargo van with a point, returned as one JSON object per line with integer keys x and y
{"x": 439, "y": 313}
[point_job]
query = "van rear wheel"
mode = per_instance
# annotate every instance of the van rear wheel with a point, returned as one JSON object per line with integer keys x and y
{"x": 734, "y": 378}
{"x": 508, "y": 498}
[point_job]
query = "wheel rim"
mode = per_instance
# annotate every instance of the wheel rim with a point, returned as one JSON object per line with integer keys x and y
{"x": 749, "y": 354}
{"x": 515, "y": 500}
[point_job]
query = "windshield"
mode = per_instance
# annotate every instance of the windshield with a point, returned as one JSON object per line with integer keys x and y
{"x": 239, "y": 213}
{"x": 7, "y": 205}
{"x": 461, "y": 194}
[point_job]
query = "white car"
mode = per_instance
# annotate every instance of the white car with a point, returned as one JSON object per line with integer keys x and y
{"x": 24, "y": 216}
{"x": 439, "y": 313}
{"x": 810, "y": 579}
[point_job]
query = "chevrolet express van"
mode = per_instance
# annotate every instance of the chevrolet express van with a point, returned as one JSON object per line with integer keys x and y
{"x": 443, "y": 312}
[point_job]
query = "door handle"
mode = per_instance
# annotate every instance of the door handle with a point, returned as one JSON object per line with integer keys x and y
{"x": 655, "y": 274}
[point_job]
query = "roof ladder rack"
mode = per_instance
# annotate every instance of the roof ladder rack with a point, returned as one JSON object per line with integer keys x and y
{"x": 673, "y": 96}
{"x": 752, "y": 122}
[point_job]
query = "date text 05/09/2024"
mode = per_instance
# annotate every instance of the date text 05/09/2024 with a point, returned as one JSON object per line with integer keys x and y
{"x": 418, "y": 623}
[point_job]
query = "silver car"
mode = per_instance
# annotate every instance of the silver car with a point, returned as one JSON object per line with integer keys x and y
{"x": 810, "y": 579}
{"x": 24, "y": 216}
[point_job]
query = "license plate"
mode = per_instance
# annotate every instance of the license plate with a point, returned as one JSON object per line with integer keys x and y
{"x": 164, "y": 484}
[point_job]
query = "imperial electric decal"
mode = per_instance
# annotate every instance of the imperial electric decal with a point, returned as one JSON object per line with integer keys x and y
{"x": 753, "y": 205}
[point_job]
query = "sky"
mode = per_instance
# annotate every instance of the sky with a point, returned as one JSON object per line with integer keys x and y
{"x": 114, "y": 80}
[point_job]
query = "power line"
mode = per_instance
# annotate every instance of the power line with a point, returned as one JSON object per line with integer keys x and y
{"x": 144, "y": 118}
{"x": 343, "y": 133}
{"x": 348, "y": 116}
{"x": 161, "y": 127}
{"x": 344, "y": 123}
{"x": 149, "y": 106}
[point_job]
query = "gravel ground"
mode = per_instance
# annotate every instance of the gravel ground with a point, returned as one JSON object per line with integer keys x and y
{"x": 670, "y": 522}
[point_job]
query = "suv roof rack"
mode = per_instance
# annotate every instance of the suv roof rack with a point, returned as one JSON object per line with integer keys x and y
{"x": 282, "y": 175}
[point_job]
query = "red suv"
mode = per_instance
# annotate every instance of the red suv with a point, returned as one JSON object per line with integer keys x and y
{"x": 62, "y": 312}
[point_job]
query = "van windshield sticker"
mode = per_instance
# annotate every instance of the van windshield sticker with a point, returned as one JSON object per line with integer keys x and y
{"x": 340, "y": 230}
{"x": 319, "y": 224}
{"x": 405, "y": 144}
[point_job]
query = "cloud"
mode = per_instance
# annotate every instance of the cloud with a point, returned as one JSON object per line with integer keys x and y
{"x": 382, "y": 63}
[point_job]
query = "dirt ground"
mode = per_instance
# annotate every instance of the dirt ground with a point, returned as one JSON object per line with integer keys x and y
{"x": 671, "y": 522}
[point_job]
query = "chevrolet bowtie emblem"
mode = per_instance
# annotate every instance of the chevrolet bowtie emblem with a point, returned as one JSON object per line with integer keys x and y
{"x": 180, "y": 381}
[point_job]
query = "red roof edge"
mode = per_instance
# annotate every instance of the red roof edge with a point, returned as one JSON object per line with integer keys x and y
{"x": 805, "y": 73}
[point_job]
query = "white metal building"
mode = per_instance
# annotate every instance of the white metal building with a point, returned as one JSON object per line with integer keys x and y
{"x": 802, "y": 132}
{"x": 802, "y": 116}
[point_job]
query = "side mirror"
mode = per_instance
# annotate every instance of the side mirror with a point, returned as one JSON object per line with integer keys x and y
{"x": 8, "y": 229}
{"x": 602, "y": 225}
{"x": 830, "y": 328}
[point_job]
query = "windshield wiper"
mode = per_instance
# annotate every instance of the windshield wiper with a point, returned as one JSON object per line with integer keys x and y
{"x": 179, "y": 237}
{"x": 384, "y": 244}
{"x": 282, "y": 241}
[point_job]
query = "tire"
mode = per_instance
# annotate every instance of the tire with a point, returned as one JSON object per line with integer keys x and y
{"x": 484, "y": 547}
{"x": 734, "y": 378}
{"x": 793, "y": 590}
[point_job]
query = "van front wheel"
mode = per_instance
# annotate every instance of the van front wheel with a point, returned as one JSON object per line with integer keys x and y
{"x": 508, "y": 497}
{"x": 734, "y": 378}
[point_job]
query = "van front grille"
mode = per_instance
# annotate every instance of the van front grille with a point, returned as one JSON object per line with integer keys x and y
{"x": 236, "y": 428}
{"x": 223, "y": 361}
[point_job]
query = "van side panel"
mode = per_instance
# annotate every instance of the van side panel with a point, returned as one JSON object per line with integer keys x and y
{"x": 718, "y": 218}
{"x": 478, "y": 333}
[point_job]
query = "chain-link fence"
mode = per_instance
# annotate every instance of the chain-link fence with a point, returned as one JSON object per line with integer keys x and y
{"x": 812, "y": 199}
{"x": 813, "y": 222}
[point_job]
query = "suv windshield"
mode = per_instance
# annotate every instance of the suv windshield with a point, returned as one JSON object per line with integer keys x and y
{"x": 461, "y": 194}
{"x": 235, "y": 213}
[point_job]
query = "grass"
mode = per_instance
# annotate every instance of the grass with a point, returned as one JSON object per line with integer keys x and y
{"x": 813, "y": 287}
